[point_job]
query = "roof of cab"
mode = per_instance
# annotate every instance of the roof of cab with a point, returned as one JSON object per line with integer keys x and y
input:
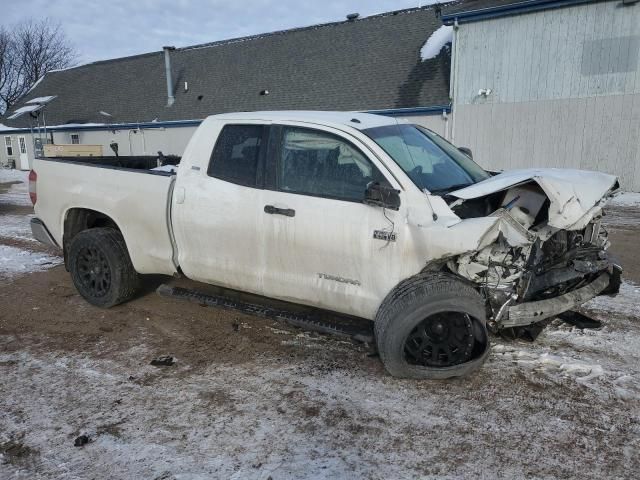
{"x": 356, "y": 120}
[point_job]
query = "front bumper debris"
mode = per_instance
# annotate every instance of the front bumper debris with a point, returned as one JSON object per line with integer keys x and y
{"x": 531, "y": 312}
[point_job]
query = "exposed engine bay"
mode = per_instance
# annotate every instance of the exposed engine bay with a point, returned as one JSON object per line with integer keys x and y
{"x": 547, "y": 252}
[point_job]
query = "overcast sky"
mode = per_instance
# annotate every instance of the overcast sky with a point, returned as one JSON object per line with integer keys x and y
{"x": 117, "y": 28}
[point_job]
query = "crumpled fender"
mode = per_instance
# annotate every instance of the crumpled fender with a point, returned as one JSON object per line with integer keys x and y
{"x": 575, "y": 195}
{"x": 473, "y": 234}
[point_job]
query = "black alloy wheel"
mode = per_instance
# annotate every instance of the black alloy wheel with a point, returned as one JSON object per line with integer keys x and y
{"x": 441, "y": 340}
{"x": 94, "y": 271}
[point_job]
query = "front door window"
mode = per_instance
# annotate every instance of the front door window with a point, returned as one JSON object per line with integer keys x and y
{"x": 313, "y": 162}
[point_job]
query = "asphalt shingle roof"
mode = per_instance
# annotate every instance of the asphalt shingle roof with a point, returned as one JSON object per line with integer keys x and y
{"x": 367, "y": 64}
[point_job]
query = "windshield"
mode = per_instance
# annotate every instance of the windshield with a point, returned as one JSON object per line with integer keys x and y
{"x": 429, "y": 160}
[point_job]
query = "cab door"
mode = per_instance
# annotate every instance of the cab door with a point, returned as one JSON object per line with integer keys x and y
{"x": 217, "y": 211}
{"x": 323, "y": 246}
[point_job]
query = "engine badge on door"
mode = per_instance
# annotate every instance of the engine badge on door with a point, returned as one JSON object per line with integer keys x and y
{"x": 384, "y": 235}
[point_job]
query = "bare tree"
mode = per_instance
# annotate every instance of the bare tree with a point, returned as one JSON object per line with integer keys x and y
{"x": 5, "y": 61}
{"x": 31, "y": 50}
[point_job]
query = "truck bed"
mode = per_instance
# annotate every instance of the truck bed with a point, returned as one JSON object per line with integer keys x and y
{"x": 138, "y": 204}
{"x": 139, "y": 162}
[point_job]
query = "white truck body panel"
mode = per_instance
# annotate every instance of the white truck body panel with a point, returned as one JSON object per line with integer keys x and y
{"x": 327, "y": 255}
{"x": 136, "y": 201}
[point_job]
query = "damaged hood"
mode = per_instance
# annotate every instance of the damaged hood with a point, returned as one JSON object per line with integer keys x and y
{"x": 573, "y": 194}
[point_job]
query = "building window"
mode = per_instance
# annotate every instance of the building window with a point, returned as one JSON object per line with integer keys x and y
{"x": 75, "y": 138}
{"x": 23, "y": 145}
{"x": 9, "y": 146}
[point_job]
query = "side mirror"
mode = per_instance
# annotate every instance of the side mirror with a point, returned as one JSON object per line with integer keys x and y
{"x": 467, "y": 151}
{"x": 382, "y": 196}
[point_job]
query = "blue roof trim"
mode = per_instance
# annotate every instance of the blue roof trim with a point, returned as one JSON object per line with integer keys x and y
{"x": 435, "y": 110}
{"x": 526, "y": 6}
{"x": 108, "y": 126}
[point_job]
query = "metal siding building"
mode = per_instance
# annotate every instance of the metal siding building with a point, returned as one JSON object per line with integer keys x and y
{"x": 565, "y": 86}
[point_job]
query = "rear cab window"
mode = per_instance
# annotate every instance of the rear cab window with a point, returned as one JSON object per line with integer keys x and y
{"x": 238, "y": 155}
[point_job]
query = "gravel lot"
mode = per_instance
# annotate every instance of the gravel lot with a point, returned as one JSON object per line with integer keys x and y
{"x": 250, "y": 398}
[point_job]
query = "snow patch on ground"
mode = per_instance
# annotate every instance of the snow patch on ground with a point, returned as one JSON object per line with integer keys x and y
{"x": 295, "y": 421}
{"x": 626, "y": 199}
{"x": 16, "y": 226}
{"x": 17, "y": 193}
{"x": 15, "y": 261}
{"x": 436, "y": 42}
{"x": 627, "y": 302}
{"x": 12, "y": 175}
{"x": 606, "y": 361}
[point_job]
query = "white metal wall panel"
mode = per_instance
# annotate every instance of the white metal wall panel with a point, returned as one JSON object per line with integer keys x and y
{"x": 539, "y": 56}
{"x": 565, "y": 90}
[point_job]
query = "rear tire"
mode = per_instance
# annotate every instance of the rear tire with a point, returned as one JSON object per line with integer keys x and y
{"x": 432, "y": 326}
{"x": 101, "y": 268}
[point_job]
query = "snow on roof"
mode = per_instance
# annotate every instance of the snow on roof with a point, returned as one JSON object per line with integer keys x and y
{"x": 35, "y": 84}
{"x": 436, "y": 42}
{"x": 27, "y": 108}
{"x": 42, "y": 100}
{"x": 73, "y": 125}
{"x": 23, "y": 110}
{"x": 65, "y": 126}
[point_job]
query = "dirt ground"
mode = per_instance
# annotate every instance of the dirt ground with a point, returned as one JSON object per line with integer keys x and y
{"x": 250, "y": 398}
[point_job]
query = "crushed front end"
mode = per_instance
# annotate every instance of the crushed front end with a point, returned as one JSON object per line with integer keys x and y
{"x": 537, "y": 261}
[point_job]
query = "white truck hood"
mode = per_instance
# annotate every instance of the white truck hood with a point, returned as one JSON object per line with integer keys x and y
{"x": 573, "y": 194}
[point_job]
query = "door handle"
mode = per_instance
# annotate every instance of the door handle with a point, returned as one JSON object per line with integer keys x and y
{"x": 287, "y": 212}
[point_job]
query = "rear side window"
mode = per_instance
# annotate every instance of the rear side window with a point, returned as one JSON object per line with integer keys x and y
{"x": 236, "y": 156}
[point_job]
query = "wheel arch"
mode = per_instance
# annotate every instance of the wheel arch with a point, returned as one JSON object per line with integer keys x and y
{"x": 79, "y": 219}
{"x": 429, "y": 292}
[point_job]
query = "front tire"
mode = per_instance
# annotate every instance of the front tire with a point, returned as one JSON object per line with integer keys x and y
{"x": 432, "y": 326}
{"x": 101, "y": 268}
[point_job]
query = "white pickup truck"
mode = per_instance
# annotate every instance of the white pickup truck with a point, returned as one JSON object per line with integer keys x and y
{"x": 353, "y": 213}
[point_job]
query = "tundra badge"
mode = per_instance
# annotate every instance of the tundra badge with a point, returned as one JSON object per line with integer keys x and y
{"x": 339, "y": 279}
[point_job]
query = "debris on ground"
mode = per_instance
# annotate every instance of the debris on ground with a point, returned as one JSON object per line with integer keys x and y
{"x": 14, "y": 449}
{"x": 163, "y": 361}
{"x": 81, "y": 441}
{"x": 580, "y": 320}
